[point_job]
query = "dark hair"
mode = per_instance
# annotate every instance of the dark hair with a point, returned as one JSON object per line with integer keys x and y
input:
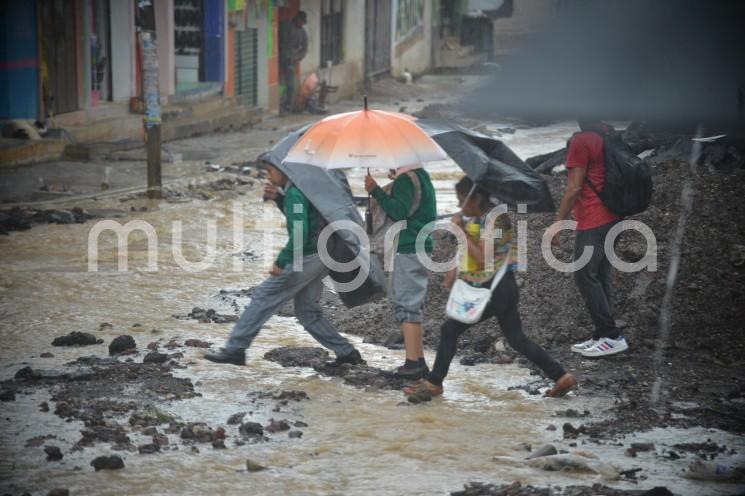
{"x": 463, "y": 187}
{"x": 301, "y": 16}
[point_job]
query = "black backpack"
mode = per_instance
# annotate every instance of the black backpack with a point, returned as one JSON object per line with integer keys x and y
{"x": 628, "y": 179}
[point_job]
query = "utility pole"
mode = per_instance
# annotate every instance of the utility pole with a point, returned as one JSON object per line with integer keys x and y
{"x": 145, "y": 11}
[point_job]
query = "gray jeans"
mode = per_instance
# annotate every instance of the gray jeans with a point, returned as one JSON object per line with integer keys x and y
{"x": 594, "y": 281}
{"x": 305, "y": 287}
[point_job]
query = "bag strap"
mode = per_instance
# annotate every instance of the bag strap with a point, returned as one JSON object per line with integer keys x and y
{"x": 500, "y": 273}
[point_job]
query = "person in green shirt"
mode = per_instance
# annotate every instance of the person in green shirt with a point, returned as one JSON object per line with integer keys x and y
{"x": 296, "y": 274}
{"x": 411, "y": 199}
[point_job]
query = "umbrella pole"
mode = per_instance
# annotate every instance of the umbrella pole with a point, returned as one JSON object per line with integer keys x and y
{"x": 368, "y": 212}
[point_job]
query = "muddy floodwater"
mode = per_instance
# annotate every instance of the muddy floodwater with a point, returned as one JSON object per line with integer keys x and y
{"x": 357, "y": 441}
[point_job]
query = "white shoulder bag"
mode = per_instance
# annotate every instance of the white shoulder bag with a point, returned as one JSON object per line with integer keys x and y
{"x": 466, "y": 303}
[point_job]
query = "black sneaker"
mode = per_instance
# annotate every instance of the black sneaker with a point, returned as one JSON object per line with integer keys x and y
{"x": 411, "y": 373}
{"x": 235, "y": 357}
{"x": 353, "y": 358}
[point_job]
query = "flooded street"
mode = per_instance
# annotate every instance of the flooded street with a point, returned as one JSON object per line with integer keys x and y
{"x": 357, "y": 441}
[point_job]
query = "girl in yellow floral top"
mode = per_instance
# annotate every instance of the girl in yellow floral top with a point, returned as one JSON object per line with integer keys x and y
{"x": 503, "y": 305}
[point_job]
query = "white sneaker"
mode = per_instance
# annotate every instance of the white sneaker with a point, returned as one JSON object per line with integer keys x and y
{"x": 606, "y": 346}
{"x": 580, "y": 347}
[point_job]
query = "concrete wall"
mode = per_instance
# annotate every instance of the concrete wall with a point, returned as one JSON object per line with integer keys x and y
{"x": 412, "y": 41}
{"x": 123, "y": 50}
{"x": 349, "y": 74}
{"x": 165, "y": 34}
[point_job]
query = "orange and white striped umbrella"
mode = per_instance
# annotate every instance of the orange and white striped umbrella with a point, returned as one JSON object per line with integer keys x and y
{"x": 365, "y": 138}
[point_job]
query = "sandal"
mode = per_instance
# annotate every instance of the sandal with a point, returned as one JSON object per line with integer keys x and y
{"x": 566, "y": 383}
{"x": 423, "y": 387}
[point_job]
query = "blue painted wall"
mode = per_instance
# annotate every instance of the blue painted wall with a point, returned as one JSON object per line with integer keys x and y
{"x": 19, "y": 60}
{"x": 214, "y": 40}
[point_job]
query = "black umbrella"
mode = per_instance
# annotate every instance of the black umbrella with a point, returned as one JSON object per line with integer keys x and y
{"x": 491, "y": 164}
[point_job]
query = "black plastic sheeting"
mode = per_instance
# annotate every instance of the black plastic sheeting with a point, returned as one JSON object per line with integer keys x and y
{"x": 487, "y": 161}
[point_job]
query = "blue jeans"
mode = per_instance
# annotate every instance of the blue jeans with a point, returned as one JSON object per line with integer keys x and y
{"x": 305, "y": 287}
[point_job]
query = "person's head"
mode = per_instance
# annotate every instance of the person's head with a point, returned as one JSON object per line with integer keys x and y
{"x": 276, "y": 176}
{"x": 300, "y": 19}
{"x": 478, "y": 203}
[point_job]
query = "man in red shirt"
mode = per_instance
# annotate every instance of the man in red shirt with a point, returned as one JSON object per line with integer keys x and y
{"x": 585, "y": 163}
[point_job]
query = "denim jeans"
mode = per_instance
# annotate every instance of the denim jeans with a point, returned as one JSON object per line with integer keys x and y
{"x": 305, "y": 287}
{"x": 594, "y": 281}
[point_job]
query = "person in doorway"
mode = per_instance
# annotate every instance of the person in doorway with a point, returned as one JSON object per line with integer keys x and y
{"x": 475, "y": 203}
{"x": 304, "y": 285}
{"x": 410, "y": 276}
{"x": 585, "y": 165}
{"x": 293, "y": 48}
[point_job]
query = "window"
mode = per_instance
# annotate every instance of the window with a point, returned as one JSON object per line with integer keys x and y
{"x": 332, "y": 32}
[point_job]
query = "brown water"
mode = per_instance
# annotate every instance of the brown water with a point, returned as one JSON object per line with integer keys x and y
{"x": 357, "y": 442}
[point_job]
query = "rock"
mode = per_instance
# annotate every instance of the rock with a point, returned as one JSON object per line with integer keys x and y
{"x": 7, "y": 395}
{"x": 219, "y": 444}
{"x": 640, "y": 447}
{"x": 571, "y": 432}
{"x": 295, "y": 434}
{"x": 112, "y": 462}
{"x": 76, "y": 339}
{"x": 277, "y": 426}
{"x": 27, "y": 373}
{"x": 196, "y": 343}
{"x": 105, "y": 325}
{"x": 150, "y": 416}
{"x": 551, "y": 427}
{"x": 737, "y": 255}
{"x": 298, "y": 356}
{"x": 46, "y": 354}
{"x": 630, "y": 452}
{"x": 122, "y": 344}
{"x": 252, "y": 466}
{"x": 160, "y": 440}
{"x": 147, "y": 449}
{"x": 53, "y": 453}
{"x": 155, "y": 357}
{"x": 236, "y": 418}
{"x": 199, "y": 432}
{"x": 300, "y": 423}
{"x": 44, "y": 406}
{"x": 149, "y": 431}
{"x": 153, "y": 346}
{"x": 545, "y": 450}
{"x": 59, "y": 492}
{"x": 291, "y": 395}
{"x": 251, "y": 429}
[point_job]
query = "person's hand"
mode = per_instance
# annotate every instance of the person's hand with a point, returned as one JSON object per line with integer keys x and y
{"x": 556, "y": 239}
{"x": 275, "y": 270}
{"x": 448, "y": 280}
{"x": 370, "y": 183}
{"x": 270, "y": 192}
{"x": 457, "y": 219}
{"x": 391, "y": 174}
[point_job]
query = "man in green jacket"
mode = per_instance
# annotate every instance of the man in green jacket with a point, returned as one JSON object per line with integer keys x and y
{"x": 410, "y": 276}
{"x": 297, "y": 273}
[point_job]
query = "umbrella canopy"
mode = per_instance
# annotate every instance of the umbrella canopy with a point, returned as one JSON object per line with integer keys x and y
{"x": 365, "y": 138}
{"x": 486, "y": 160}
{"x": 330, "y": 194}
{"x": 492, "y": 164}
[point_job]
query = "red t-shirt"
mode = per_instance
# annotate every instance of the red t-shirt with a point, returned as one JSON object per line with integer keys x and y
{"x": 586, "y": 151}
